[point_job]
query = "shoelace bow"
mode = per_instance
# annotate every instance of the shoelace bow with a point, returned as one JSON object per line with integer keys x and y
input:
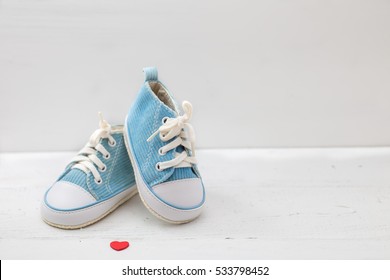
{"x": 87, "y": 160}
{"x": 180, "y": 128}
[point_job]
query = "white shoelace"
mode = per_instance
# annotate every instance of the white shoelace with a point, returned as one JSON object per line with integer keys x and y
{"x": 86, "y": 160}
{"x": 180, "y": 127}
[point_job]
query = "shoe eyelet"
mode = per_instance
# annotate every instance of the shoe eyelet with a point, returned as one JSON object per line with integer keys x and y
{"x": 160, "y": 152}
{"x": 103, "y": 169}
{"x": 98, "y": 181}
{"x": 164, "y": 120}
{"x": 113, "y": 144}
{"x": 107, "y": 156}
{"x": 158, "y": 166}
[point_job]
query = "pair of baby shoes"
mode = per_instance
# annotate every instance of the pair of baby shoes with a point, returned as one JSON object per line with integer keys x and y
{"x": 152, "y": 154}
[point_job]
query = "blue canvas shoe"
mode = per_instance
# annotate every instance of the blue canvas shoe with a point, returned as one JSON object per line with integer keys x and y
{"x": 160, "y": 143}
{"x": 95, "y": 183}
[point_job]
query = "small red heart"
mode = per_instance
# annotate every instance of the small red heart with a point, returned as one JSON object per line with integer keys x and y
{"x": 119, "y": 245}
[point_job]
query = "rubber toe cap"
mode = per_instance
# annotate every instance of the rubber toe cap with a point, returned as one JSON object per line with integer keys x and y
{"x": 65, "y": 195}
{"x": 185, "y": 193}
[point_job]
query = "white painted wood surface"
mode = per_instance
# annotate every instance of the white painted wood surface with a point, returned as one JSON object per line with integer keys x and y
{"x": 263, "y": 204}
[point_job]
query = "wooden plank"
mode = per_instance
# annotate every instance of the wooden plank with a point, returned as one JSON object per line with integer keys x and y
{"x": 261, "y": 203}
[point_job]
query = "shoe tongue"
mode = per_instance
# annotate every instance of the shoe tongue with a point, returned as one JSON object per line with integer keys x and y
{"x": 182, "y": 172}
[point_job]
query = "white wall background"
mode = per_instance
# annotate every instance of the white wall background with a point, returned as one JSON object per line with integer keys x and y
{"x": 259, "y": 73}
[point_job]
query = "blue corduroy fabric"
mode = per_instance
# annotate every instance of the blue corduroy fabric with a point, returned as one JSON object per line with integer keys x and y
{"x": 117, "y": 177}
{"x": 144, "y": 118}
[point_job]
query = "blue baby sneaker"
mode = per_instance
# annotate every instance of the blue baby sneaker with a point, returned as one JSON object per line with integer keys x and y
{"x": 95, "y": 182}
{"x": 160, "y": 143}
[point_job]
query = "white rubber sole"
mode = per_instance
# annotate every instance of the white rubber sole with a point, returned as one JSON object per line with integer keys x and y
{"x": 84, "y": 217}
{"x": 157, "y": 207}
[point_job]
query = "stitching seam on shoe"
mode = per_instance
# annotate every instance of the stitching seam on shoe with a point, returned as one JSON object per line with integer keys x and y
{"x": 113, "y": 165}
{"x": 91, "y": 188}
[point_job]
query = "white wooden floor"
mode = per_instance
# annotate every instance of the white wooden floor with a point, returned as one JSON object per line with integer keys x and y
{"x": 261, "y": 204}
